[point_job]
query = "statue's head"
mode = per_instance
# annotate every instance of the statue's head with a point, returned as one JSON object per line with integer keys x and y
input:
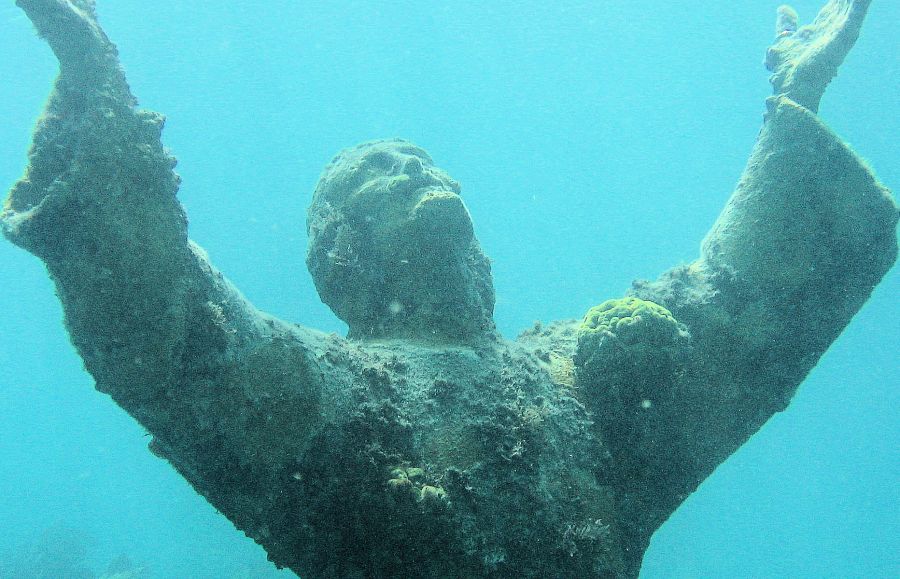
{"x": 392, "y": 250}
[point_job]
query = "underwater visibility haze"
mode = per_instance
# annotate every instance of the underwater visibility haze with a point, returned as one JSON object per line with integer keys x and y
{"x": 419, "y": 413}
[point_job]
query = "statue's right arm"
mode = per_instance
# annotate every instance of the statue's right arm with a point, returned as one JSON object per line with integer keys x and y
{"x": 161, "y": 331}
{"x": 806, "y": 236}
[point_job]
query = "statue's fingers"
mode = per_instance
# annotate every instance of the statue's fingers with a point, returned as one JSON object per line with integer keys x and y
{"x": 836, "y": 29}
{"x": 803, "y": 61}
{"x": 855, "y": 17}
{"x": 786, "y": 21}
{"x": 841, "y": 18}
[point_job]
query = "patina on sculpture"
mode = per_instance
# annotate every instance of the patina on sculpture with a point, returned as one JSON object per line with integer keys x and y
{"x": 426, "y": 445}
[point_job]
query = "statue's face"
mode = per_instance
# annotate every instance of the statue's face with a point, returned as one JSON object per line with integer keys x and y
{"x": 394, "y": 197}
{"x": 392, "y": 247}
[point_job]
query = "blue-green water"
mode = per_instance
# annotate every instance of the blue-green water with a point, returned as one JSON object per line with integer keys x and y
{"x": 595, "y": 143}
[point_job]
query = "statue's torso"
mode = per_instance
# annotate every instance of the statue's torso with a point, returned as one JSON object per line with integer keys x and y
{"x": 452, "y": 462}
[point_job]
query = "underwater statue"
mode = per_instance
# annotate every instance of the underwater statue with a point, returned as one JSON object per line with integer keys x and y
{"x": 424, "y": 444}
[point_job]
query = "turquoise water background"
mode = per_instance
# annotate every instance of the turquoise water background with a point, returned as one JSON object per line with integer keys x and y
{"x": 595, "y": 143}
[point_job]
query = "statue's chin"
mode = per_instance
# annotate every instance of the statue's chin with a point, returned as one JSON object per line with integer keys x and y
{"x": 441, "y": 215}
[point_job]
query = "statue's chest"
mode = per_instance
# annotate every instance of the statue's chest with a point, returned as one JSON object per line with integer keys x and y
{"x": 479, "y": 454}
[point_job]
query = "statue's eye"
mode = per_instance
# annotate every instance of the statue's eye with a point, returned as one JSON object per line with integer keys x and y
{"x": 380, "y": 161}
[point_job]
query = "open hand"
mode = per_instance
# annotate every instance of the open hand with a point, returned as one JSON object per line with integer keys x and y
{"x": 804, "y": 59}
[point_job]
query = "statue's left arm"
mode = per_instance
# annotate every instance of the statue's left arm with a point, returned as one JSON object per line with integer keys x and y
{"x": 796, "y": 252}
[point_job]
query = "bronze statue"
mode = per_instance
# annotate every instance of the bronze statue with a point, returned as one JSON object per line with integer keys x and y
{"x": 424, "y": 444}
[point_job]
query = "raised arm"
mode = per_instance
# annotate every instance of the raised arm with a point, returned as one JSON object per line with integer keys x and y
{"x": 681, "y": 382}
{"x": 231, "y": 396}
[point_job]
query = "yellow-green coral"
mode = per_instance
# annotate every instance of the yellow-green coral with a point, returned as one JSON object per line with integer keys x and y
{"x": 412, "y": 479}
{"x": 433, "y": 495}
{"x": 628, "y": 340}
{"x": 403, "y": 477}
{"x": 632, "y": 320}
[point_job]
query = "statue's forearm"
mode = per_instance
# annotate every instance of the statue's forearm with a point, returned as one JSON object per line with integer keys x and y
{"x": 808, "y": 224}
{"x": 796, "y": 252}
{"x": 97, "y": 204}
{"x": 794, "y": 255}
